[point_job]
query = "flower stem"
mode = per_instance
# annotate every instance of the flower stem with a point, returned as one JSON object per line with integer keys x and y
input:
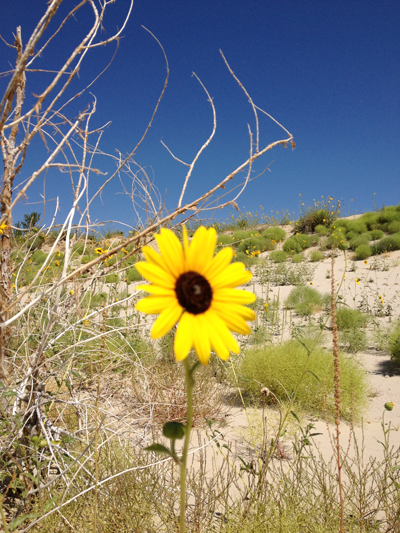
{"x": 189, "y": 394}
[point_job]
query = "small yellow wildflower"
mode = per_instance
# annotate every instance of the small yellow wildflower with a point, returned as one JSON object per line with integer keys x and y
{"x": 357, "y": 281}
{"x": 3, "y": 226}
{"x": 116, "y": 299}
{"x": 98, "y": 251}
{"x": 366, "y": 262}
{"x": 58, "y": 253}
{"x": 71, "y": 292}
{"x": 58, "y": 263}
{"x": 311, "y": 283}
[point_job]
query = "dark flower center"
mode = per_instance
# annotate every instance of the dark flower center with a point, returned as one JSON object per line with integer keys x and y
{"x": 194, "y": 293}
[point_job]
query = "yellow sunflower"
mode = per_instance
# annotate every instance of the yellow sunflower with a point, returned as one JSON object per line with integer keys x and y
{"x": 190, "y": 285}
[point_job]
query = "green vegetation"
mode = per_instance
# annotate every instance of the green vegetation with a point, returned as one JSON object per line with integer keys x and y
{"x": 394, "y": 343}
{"x": 297, "y": 258}
{"x": 275, "y": 234}
{"x": 288, "y": 368}
{"x": 363, "y": 251}
{"x": 297, "y": 243}
{"x": 316, "y": 256}
{"x": 387, "y": 244}
{"x": 278, "y": 256}
{"x": 306, "y": 300}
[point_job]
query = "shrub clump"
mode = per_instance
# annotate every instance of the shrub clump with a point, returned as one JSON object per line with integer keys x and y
{"x": 112, "y": 278}
{"x": 297, "y": 243}
{"x": 322, "y": 230}
{"x": 240, "y": 235}
{"x": 297, "y": 258}
{"x": 337, "y": 240}
{"x": 358, "y": 241}
{"x": 255, "y": 245}
{"x": 387, "y": 244}
{"x": 306, "y": 300}
{"x": 394, "y": 226}
{"x": 347, "y": 318}
{"x": 38, "y": 257}
{"x": 275, "y": 234}
{"x": 363, "y": 251}
{"x": 316, "y": 256}
{"x": 357, "y": 225}
{"x": 224, "y": 239}
{"x": 394, "y": 343}
{"x": 248, "y": 260}
{"x": 376, "y": 234}
{"x": 280, "y": 368}
{"x": 132, "y": 275}
{"x": 278, "y": 257}
{"x": 311, "y": 220}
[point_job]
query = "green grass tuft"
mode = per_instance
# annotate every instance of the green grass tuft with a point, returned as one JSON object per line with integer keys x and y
{"x": 281, "y": 367}
{"x": 306, "y": 300}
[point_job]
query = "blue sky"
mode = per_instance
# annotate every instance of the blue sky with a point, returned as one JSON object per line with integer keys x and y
{"x": 328, "y": 71}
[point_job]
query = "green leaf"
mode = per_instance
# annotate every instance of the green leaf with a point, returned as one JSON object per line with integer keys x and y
{"x": 159, "y": 448}
{"x": 296, "y": 417}
{"x": 396, "y": 467}
{"x": 174, "y": 430}
{"x": 8, "y": 393}
{"x": 20, "y": 520}
{"x": 315, "y": 375}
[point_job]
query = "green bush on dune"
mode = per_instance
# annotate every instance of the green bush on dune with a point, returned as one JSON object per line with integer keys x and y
{"x": 306, "y": 300}
{"x": 363, "y": 251}
{"x": 297, "y": 243}
{"x": 280, "y": 368}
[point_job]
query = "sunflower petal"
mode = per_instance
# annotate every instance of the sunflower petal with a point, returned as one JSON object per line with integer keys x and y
{"x": 233, "y": 276}
{"x": 167, "y": 319}
{"x": 184, "y": 337}
{"x": 156, "y": 290}
{"x": 234, "y": 296}
{"x": 220, "y": 336}
{"x": 219, "y": 263}
{"x": 185, "y": 241}
{"x": 152, "y": 305}
{"x": 201, "y": 339}
{"x": 153, "y": 257}
{"x": 201, "y": 250}
{"x": 155, "y": 274}
{"x": 171, "y": 251}
{"x": 244, "y": 312}
{"x": 232, "y": 318}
